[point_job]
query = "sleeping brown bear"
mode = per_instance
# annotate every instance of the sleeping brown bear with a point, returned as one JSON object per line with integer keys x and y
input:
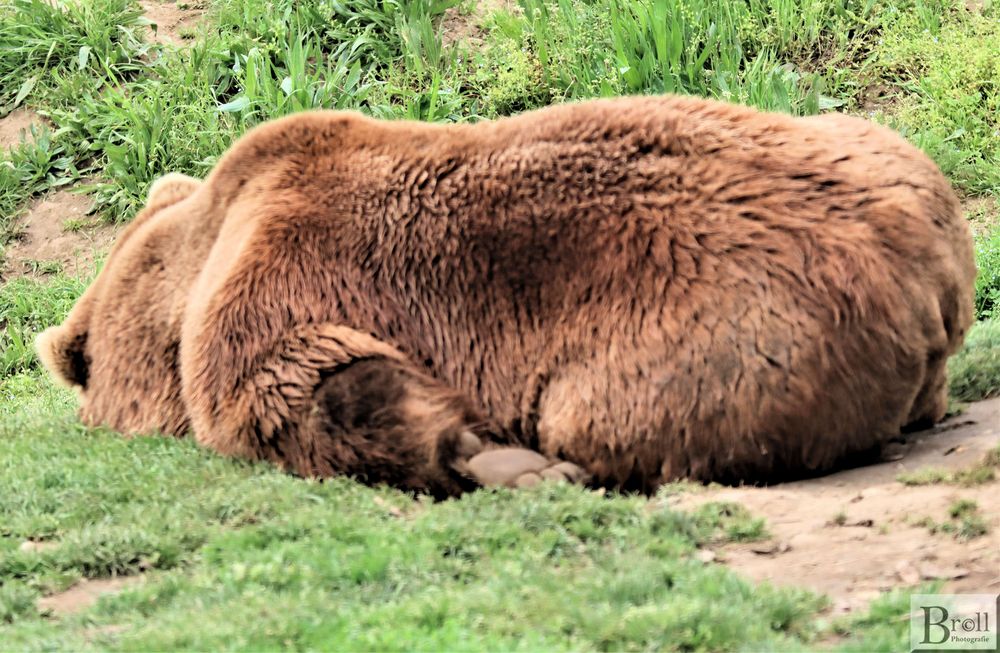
{"x": 631, "y": 291}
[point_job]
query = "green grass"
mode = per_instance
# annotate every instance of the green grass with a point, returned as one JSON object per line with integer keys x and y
{"x": 948, "y": 98}
{"x": 127, "y": 111}
{"x": 974, "y": 372}
{"x": 982, "y": 472}
{"x": 988, "y": 280}
{"x": 42, "y": 40}
{"x": 240, "y": 556}
{"x": 26, "y": 307}
{"x": 965, "y": 521}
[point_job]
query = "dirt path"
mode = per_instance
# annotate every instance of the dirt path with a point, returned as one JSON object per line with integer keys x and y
{"x": 856, "y": 533}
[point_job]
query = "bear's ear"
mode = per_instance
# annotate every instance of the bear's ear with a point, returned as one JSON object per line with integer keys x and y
{"x": 170, "y": 189}
{"x": 63, "y": 354}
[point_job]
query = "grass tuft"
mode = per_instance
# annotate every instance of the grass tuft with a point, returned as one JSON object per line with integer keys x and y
{"x": 974, "y": 372}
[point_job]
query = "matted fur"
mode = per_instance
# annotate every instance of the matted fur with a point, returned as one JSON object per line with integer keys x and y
{"x": 652, "y": 288}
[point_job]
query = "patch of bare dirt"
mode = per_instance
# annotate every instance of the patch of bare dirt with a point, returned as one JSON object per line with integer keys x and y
{"x": 43, "y": 243}
{"x": 854, "y": 534}
{"x": 173, "y": 20}
{"x": 983, "y": 213}
{"x": 16, "y": 124}
{"x": 84, "y": 594}
{"x": 463, "y": 23}
{"x": 877, "y": 100}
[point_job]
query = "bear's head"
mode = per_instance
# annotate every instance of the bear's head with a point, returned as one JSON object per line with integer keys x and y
{"x": 118, "y": 347}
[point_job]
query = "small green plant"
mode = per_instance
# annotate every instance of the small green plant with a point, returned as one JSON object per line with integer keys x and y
{"x": 962, "y": 508}
{"x": 970, "y": 523}
{"x": 26, "y": 307}
{"x": 924, "y": 476}
{"x": 102, "y": 38}
{"x": 974, "y": 372}
{"x": 977, "y": 475}
{"x": 965, "y": 523}
{"x": 73, "y": 225}
{"x": 982, "y": 472}
{"x": 43, "y": 267}
{"x": 34, "y": 166}
{"x": 988, "y": 278}
{"x": 971, "y": 527}
{"x": 728, "y": 521}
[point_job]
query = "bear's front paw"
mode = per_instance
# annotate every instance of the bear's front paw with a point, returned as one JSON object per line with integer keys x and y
{"x": 517, "y": 467}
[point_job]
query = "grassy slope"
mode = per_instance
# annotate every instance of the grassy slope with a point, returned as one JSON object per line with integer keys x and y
{"x": 242, "y": 556}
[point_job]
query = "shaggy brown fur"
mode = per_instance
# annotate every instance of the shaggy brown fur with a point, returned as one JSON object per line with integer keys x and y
{"x": 651, "y": 288}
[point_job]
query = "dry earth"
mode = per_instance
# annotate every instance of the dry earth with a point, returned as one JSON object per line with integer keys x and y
{"x": 174, "y": 20}
{"x": 983, "y": 213}
{"x": 84, "y": 594}
{"x": 854, "y": 534}
{"x": 16, "y": 126}
{"x": 44, "y": 245}
{"x": 464, "y": 23}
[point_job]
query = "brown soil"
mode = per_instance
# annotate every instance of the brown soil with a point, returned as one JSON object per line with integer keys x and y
{"x": 43, "y": 240}
{"x": 464, "y": 24}
{"x": 983, "y": 213}
{"x": 854, "y": 534}
{"x": 84, "y": 594}
{"x": 15, "y": 124}
{"x": 173, "y": 20}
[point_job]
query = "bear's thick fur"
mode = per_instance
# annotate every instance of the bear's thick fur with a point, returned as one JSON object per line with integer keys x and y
{"x": 648, "y": 288}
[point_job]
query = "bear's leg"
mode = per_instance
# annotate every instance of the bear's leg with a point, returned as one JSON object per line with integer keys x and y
{"x": 384, "y": 420}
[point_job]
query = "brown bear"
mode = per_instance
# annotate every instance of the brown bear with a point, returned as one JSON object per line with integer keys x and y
{"x": 633, "y": 290}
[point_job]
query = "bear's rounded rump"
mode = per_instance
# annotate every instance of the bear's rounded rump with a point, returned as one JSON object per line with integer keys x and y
{"x": 636, "y": 290}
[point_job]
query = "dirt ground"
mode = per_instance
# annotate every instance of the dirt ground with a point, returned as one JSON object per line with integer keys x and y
{"x": 173, "y": 19}
{"x": 464, "y": 23}
{"x": 84, "y": 594}
{"x": 983, "y": 213}
{"x": 854, "y": 534}
{"x": 44, "y": 245}
{"x": 15, "y": 125}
